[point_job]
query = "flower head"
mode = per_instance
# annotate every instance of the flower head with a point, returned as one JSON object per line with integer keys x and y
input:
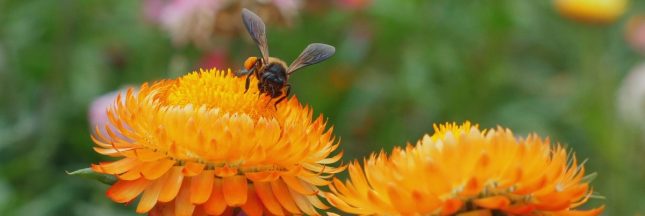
{"x": 200, "y": 144}
{"x": 592, "y": 11}
{"x": 461, "y": 169}
{"x": 635, "y": 33}
{"x": 196, "y": 21}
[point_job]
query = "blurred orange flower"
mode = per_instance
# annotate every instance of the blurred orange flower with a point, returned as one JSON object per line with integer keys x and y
{"x": 200, "y": 145}
{"x": 593, "y": 11}
{"x": 461, "y": 170}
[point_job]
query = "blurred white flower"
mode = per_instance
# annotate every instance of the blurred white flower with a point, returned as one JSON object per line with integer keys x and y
{"x": 631, "y": 96}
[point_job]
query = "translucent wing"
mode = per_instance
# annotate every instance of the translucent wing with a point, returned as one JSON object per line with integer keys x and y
{"x": 314, "y": 53}
{"x": 257, "y": 30}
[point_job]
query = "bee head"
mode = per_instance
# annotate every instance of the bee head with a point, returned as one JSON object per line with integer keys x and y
{"x": 250, "y": 62}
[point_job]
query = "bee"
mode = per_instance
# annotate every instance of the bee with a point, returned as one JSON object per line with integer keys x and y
{"x": 273, "y": 74}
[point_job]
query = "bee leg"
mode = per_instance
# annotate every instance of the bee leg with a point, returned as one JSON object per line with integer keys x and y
{"x": 248, "y": 81}
{"x": 288, "y": 87}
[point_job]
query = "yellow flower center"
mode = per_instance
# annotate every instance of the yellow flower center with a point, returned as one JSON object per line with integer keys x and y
{"x": 226, "y": 93}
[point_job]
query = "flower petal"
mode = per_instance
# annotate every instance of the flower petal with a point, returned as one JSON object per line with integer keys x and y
{"x": 235, "y": 189}
{"x": 216, "y": 205}
{"x": 253, "y": 206}
{"x": 125, "y": 191}
{"x": 172, "y": 184}
{"x": 201, "y": 187}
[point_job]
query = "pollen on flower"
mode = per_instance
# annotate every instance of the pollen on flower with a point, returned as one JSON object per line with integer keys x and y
{"x": 200, "y": 145}
{"x": 460, "y": 170}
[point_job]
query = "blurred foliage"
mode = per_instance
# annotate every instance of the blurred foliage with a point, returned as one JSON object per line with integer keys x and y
{"x": 400, "y": 67}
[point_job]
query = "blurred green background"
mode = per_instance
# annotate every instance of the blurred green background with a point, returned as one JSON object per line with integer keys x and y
{"x": 400, "y": 66}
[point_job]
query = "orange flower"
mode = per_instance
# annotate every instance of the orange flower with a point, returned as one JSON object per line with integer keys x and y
{"x": 199, "y": 144}
{"x": 461, "y": 170}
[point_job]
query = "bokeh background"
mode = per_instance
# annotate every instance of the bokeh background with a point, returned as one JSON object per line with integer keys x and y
{"x": 566, "y": 69}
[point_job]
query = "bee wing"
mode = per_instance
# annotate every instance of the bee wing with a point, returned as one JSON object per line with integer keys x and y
{"x": 314, "y": 53}
{"x": 257, "y": 30}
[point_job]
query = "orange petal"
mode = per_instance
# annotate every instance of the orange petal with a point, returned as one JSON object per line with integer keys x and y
{"x": 302, "y": 203}
{"x": 494, "y": 202}
{"x": 201, "y": 187}
{"x": 532, "y": 186}
{"x": 225, "y": 171}
{"x": 471, "y": 188}
{"x": 313, "y": 199}
{"x": 150, "y": 195}
{"x": 424, "y": 201}
{"x": 400, "y": 200}
{"x": 519, "y": 209}
{"x": 147, "y": 155}
{"x": 234, "y": 189}
{"x": 253, "y": 206}
{"x": 592, "y": 212}
{"x": 125, "y": 191}
{"x": 199, "y": 211}
{"x": 283, "y": 195}
{"x": 262, "y": 176}
{"x": 297, "y": 185}
{"x": 476, "y": 213}
{"x": 342, "y": 205}
{"x": 216, "y": 204}
{"x": 183, "y": 206}
{"x": 263, "y": 190}
{"x": 172, "y": 185}
{"x": 120, "y": 166}
{"x": 132, "y": 174}
{"x": 154, "y": 170}
{"x": 451, "y": 206}
{"x": 193, "y": 168}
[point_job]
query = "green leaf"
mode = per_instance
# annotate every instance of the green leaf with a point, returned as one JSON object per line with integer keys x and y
{"x": 90, "y": 174}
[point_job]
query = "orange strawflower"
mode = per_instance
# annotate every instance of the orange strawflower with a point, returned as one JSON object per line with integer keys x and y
{"x": 461, "y": 170}
{"x": 200, "y": 145}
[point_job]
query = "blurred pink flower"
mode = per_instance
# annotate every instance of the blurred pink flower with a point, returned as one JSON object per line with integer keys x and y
{"x": 288, "y": 8}
{"x": 354, "y": 4}
{"x": 631, "y": 96}
{"x": 214, "y": 59}
{"x": 190, "y": 20}
{"x": 195, "y": 21}
{"x": 635, "y": 33}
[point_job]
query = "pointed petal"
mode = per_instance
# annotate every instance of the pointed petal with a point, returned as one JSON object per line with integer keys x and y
{"x": 120, "y": 166}
{"x": 283, "y": 195}
{"x": 263, "y": 190}
{"x": 298, "y": 186}
{"x": 150, "y": 195}
{"x": 172, "y": 184}
{"x": 125, "y": 191}
{"x": 302, "y": 203}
